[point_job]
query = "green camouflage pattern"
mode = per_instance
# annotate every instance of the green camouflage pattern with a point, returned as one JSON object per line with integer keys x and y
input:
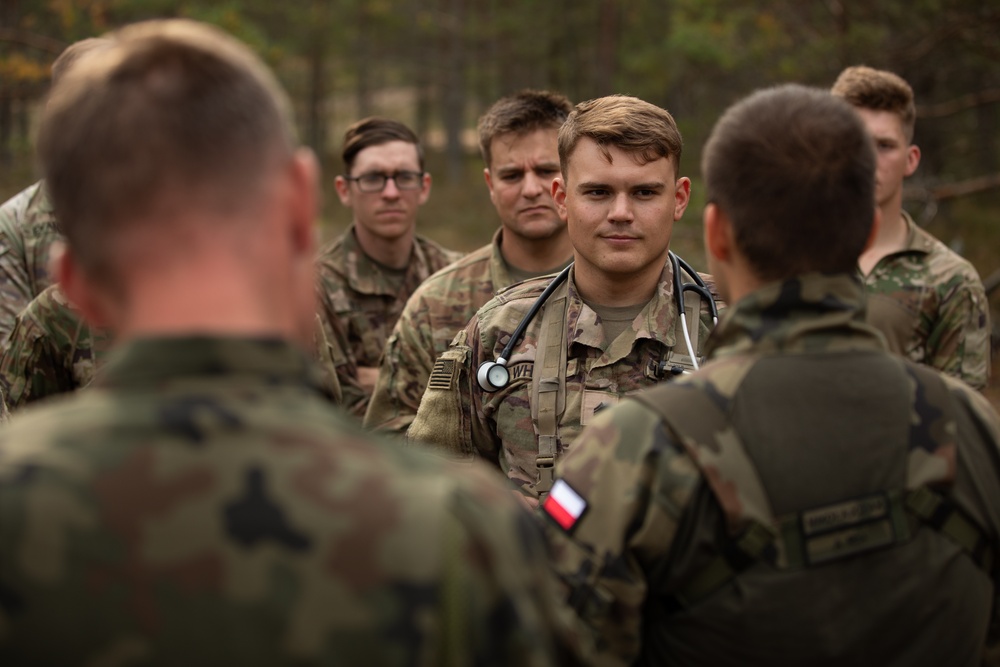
{"x": 438, "y": 309}
{"x": 807, "y": 410}
{"x": 458, "y": 417}
{"x": 931, "y": 306}
{"x": 28, "y": 232}
{"x": 360, "y": 304}
{"x": 51, "y": 351}
{"x": 202, "y": 504}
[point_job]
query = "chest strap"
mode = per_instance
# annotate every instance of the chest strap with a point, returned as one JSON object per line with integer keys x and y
{"x": 548, "y": 388}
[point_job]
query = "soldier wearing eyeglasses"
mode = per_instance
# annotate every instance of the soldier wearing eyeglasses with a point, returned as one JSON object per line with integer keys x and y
{"x": 368, "y": 273}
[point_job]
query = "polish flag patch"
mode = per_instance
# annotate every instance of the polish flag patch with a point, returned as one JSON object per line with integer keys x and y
{"x": 564, "y": 505}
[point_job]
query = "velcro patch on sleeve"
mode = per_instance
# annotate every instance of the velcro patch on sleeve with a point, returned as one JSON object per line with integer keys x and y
{"x": 444, "y": 374}
{"x": 564, "y": 505}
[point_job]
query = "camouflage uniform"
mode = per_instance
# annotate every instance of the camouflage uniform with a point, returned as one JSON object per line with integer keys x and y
{"x": 361, "y": 304}
{"x": 50, "y": 351}
{"x": 28, "y": 231}
{"x": 931, "y": 306}
{"x": 201, "y": 504}
{"x": 672, "y": 553}
{"x": 53, "y": 350}
{"x": 456, "y": 415}
{"x": 438, "y": 309}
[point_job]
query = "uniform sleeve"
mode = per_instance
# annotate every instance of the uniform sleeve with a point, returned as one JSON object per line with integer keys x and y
{"x": 959, "y": 339}
{"x": 448, "y": 418}
{"x": 30, "y": 365}
{"x": 402, "y": 377}
{"x": 15, "y": 283}
{"x": 502, "y": 602}
{"x": 629, "y": 486}
{"x": 353, "y": 396}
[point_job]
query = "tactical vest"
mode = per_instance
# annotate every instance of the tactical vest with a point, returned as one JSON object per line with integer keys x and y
{"x": 548, "y": 377}
{"x": 847, "y": 528}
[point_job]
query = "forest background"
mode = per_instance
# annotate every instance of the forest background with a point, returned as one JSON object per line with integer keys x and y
{"x": 437, "y": 64}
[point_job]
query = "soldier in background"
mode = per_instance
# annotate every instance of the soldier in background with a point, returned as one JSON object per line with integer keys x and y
{"x": 805, "y": 498}
{"x": 517, "y": 138}
{"x": 611, "y": 328}
{"x": 28, "y": 228}
{"x": 927, "y": 300}
{"x": 201, "y": 503}
{"x": 368, "y": 272}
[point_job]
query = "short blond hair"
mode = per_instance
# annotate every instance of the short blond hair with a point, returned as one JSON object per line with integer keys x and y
{"x": 878, "y": 90}
{"x": 626, "y": 122}
{"x": 173, "y": 114}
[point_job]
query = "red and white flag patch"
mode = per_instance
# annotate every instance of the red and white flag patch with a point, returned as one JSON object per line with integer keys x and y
{"x": 564, "y": 505}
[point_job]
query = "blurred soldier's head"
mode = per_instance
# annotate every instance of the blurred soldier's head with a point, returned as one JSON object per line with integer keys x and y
{"x": 789, "y": 181}
{"x": 74, "y": 52}
{"x": 384, "y": 182}
{"x": 517, "y": 138}
{"x": 170, "y": 153}
{"x": 620, "y": 189}
{"x": 885, "y": 103}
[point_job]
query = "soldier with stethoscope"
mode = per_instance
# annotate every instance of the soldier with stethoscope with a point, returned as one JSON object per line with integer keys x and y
{"x": 539, "y": 360}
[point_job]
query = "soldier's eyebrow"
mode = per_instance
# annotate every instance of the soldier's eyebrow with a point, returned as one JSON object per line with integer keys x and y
{"x": 593, "y": 185}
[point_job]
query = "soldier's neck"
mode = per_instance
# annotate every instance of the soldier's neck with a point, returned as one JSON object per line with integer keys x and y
{"x": 393, "y": 253}
{"x": 535, "y": 255}
{"x": 890, "y": 238}
{"x": 596, "y": 286}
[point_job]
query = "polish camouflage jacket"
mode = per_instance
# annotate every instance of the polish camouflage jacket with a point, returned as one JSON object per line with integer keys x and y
{"x": 458, "y": 417}
{"x": 360, "y": 304}
{"x": 51, "y": 350}
{"x": 930, "y": 305}
{"x": 777, "y": 506}
{"x": 437, "y": 310}
{"x": 28, "y": 232}
{"x": 203, "y": 504}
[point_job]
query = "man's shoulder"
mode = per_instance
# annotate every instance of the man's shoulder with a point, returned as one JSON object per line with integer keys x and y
{"x": 513, "y": 301}
{"x": 473, "y": 266}
{"x": 87, "y": 430}
{"x": 454, "y": 283}
{"x": 438, "y": 257}
{"x": 944, "y": 265}
{"x": 333, "y": 254}
{"x": 18, "y": 212}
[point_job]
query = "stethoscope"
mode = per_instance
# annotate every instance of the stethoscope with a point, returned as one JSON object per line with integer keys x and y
{"x": 494, "y": 376}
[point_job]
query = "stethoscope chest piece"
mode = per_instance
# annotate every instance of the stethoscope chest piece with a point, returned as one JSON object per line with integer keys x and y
{"x": 493, "y": 375}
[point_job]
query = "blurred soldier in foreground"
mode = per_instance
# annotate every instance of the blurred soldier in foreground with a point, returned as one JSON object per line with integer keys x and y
{"x": 28, "y": 228}
{"x": 368, "y": 273}
{"x": 517, "y": 138}
{"x": 201, "y": 503}
{"x": 926, "y": 299}
{"x": 806, "y": 498}
{"x": 611, "y": 328}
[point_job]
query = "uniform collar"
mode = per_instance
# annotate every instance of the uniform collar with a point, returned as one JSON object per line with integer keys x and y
{"x": 655, "y": 321}
{"x": 366, "y": 276}
{"x": 153, "y": 361}
{"x": 810, "y": 312}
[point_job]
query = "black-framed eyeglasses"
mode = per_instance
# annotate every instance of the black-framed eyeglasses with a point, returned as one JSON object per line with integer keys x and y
{"x": 375, "y": 181}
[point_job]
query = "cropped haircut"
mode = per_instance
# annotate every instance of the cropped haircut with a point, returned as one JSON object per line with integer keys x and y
{"x": 631, "y": 124}
{"x": 373, "y": 131}
{"x": 878, "y": 90}
{"x": 521, "y": 113}
{"x": 72, "y": 53}
{"x": 793, "y": 168}
{"x": 174, "y": 115}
